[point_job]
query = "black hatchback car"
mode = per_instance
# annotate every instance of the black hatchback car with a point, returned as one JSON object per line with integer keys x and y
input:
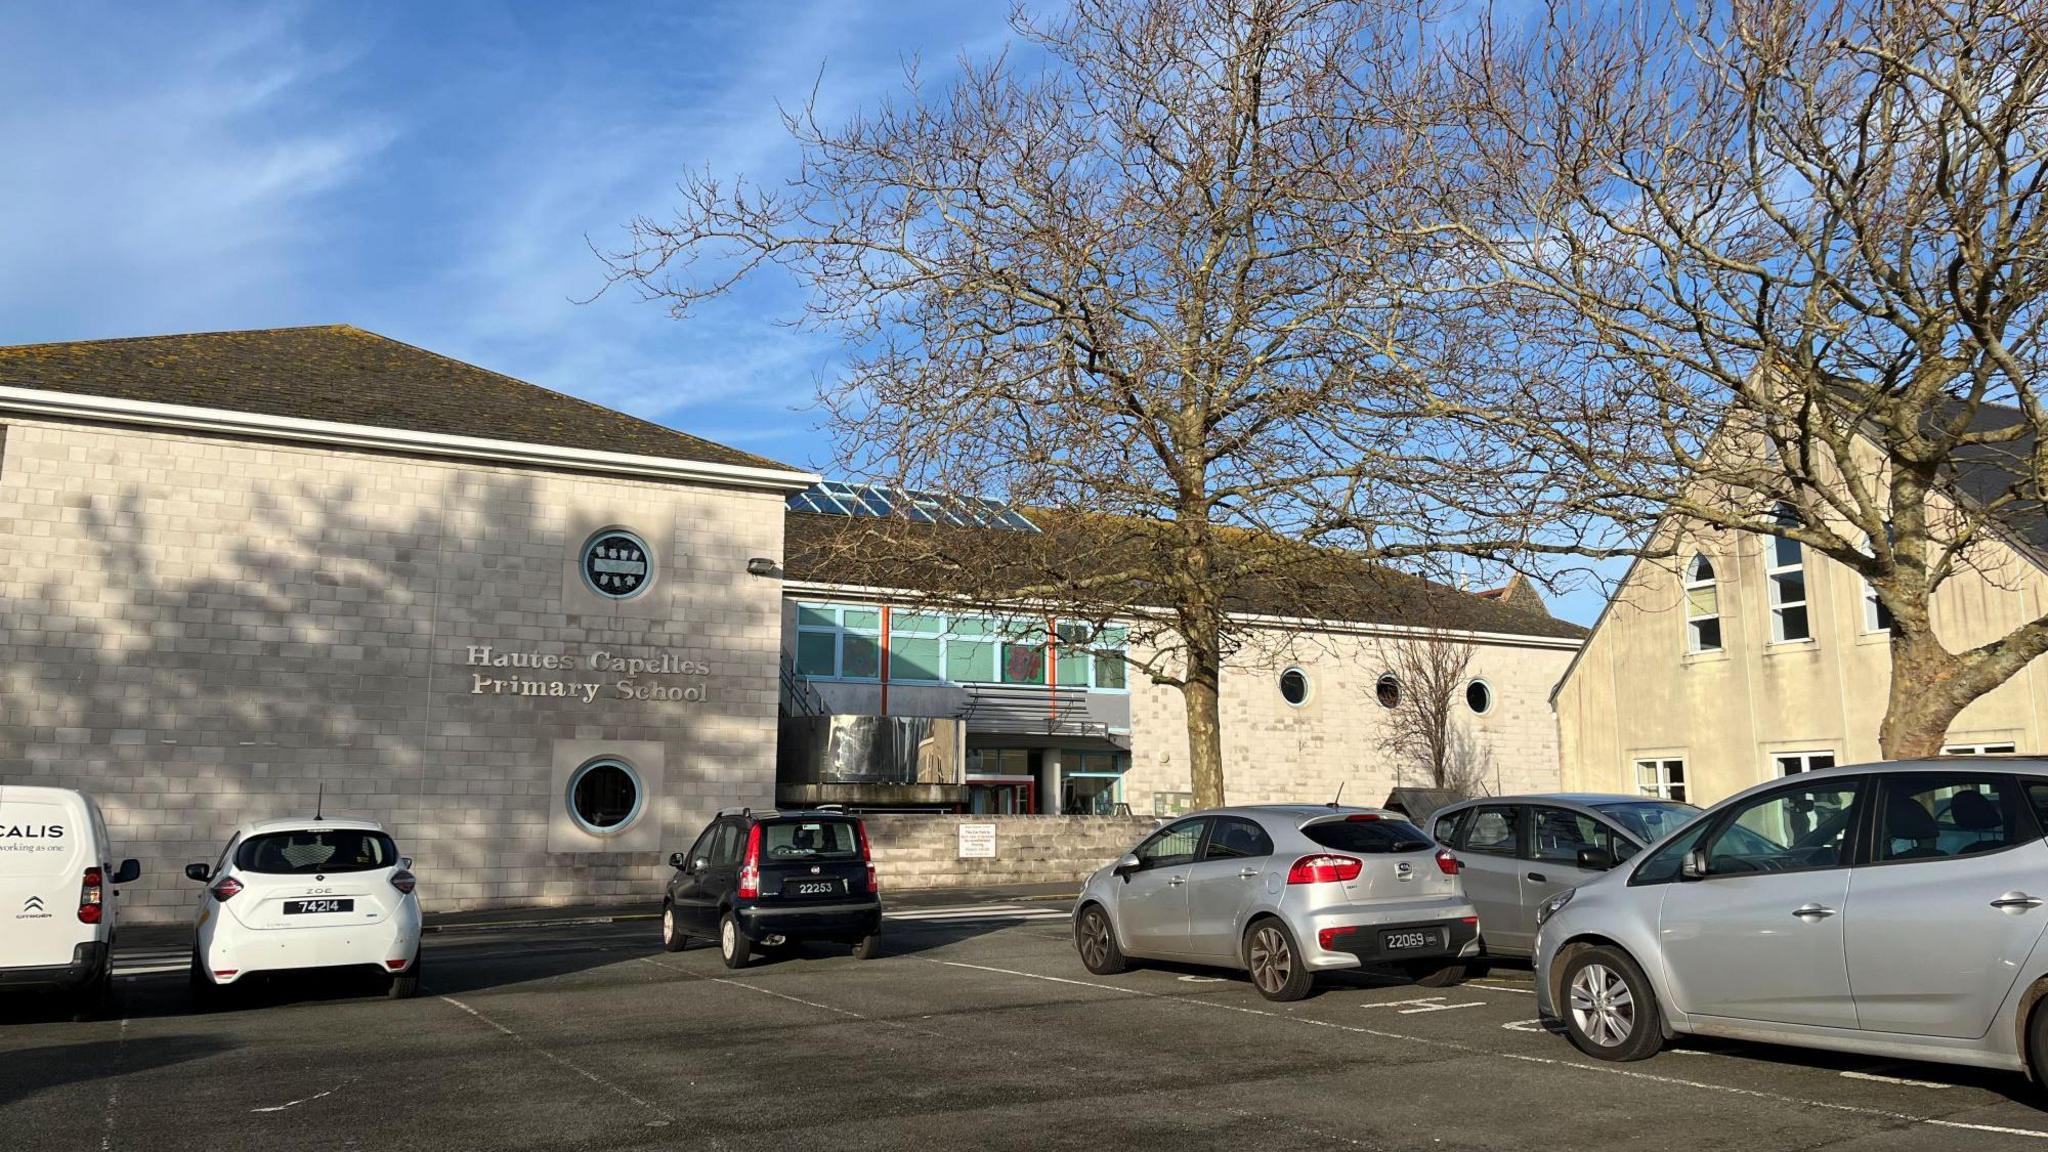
{"x": 771, "y": 880}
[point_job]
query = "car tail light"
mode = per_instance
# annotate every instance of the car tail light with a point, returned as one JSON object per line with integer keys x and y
{"x": 404, "y": 881}
{"x": 89, "y": 896}
{"x": 1448, "y": 864}
{"x": 1362, "y": 818}
{"x": 867, "y": 857}
{"x": 1324, "y": 869}
{"x": 1328, "y": 936}
{"x": 227, "y": 887}
{"x": 750, "y": 867}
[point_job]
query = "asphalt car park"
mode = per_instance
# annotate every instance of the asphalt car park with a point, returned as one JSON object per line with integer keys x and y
{"x": 976, "y": 1027}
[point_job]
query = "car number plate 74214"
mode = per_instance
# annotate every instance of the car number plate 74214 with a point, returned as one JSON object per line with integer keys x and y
{"x": 305, "y": 907}
{"x": 1407, "y": 941}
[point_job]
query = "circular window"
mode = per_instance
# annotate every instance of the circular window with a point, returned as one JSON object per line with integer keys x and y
{"x": 605, "y": 796}
{"x": 617, "y": 564}
{"x": 1388, "y": 691}
{"x": 1479, "y": 697}
{"x": 1294, "y": 687}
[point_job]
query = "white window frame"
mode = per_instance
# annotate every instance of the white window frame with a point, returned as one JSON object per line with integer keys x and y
{"x": 939, "y": 632}
{"x": 1982, "y": 748}
{"x": 1654, "y": 777}
{"x": 1805, "y": 757}
{"x": 838, "y": 631}
{"x": 1773, "y": 569}
{"x": 1691, "y": 583}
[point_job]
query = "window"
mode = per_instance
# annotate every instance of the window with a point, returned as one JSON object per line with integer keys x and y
{"x": 1447, "y": 828}
{"x": 1494, "y": 831}
{"x": 1172, "y": 803}
{"x": 1560, "y": 835}
{"x": 1792, "y": 830}
{"x": 1666, "y": 860}
{"x": 810, "y": 840}
{"x": 604, "y": 796}
{"x": 916, "y": 647}
{"x": 725, "y": 850}
{"x": 841, "y": 642}
{"x": 1294, "y": 687}
{"x": 1388, "y": 691}
{"x": 1939, "y": 816}
{"x": 1649, "y": 820}
{"x": 1091, "y": 783}
{"x": 318, "y": 850}
{"x": 1702, "y": 607}
{"x": 1785, "y": 570}
{"x": 1024, "y": 654}
{"x": 1091, "y": 657}
{"x": 2005, "y": 748}
{"x": 1876, "y": 617}
{"x": 1234, "y": 839}
{"x": 1479, "y": 697}
{"x": 1171, "y": 845}
{"x": 1662, "y": 778}
{"x": 1793, "y": 763}
{"x": 1367, "y": 837}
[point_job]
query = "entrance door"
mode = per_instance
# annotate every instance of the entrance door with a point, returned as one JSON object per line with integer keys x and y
{"x": 1152, "y": 902}
{"x": 1760, "y": 936}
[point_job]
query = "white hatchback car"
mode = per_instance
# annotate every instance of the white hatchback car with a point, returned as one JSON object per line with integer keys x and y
{"x": 307, "y": 893}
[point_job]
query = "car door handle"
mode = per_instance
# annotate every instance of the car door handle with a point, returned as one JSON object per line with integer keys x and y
{"x": 1176, "y": 881}
{"x": 2016, "y": 900}
{"x": 1815, "y": 911}
{"x": 1253, "y": 874}
{"x": 1539, "y": 877}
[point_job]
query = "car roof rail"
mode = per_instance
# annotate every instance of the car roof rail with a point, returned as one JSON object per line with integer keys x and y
{"x": 724, "y": 812}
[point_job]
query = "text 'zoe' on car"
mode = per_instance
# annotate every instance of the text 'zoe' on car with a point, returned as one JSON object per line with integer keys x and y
{"x": 1886, "y": 909}
{"x": 1282, "y": 892}
{"x": 295, "y": 894}
{"x": 772, "y": 880}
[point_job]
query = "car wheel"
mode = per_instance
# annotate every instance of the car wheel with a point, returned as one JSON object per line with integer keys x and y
{"x": 1275, "y": 962}
{"x": 672, "y": 938}
{"x": 1432, "y": 974}
{"x": 869, "y": 947}
{"x": 733, "y": 946}
{"x": 1610, "y": 1011}
{"x": 406, "y": 985}
{"x": 1095, "y": 940}
{"x": 2036, "y": 1054}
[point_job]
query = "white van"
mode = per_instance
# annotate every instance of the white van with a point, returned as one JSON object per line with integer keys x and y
{"x": 56, "y": 883}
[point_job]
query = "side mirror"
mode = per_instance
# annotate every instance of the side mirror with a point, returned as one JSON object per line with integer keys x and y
{"x": 1129, "y": 864}
{"x": 405, "y": 862}
{"x": 128, "y": 872}
{"x": 199, "y": 872}
{"x": 675, "y": 861}
{"x": 1595, "y": 859}
{"x": 1695, "y": 865}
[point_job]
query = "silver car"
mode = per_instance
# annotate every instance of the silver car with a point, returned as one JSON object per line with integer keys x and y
{"x": 1884, "y": 909}
{"x": 1519, "y": 851}
{"x": 1282, "y": 892}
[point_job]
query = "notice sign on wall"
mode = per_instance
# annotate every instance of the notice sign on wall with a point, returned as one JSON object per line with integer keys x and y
{"x": 977, "y": 842}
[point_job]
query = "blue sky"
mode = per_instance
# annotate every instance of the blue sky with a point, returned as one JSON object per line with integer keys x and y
{"x": 436, "y": 173}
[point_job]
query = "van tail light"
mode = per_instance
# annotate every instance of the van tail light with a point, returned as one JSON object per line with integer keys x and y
{"x": 750, "y": 866}
{"x": 90, "y": 893}
{"x": 404, "y": 881}
{"x": 867, "y": 856}
{"x": 1324, "y": 869}
{"x": 226, "y": 889}
{"x": 1448, "y": 864}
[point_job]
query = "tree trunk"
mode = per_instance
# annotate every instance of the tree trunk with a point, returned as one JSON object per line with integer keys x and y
{"x": 1205, "y": 728}
{"x": 1926, "y": 695}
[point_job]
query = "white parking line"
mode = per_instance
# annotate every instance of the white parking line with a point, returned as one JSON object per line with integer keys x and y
{"x": 1894, "y": 1079}
{"x": 571, "y": 1065}
{"x": 1425, "y": 1004}
{"x": 1478, "y": 987}
{"x": 1475, "y": 1050}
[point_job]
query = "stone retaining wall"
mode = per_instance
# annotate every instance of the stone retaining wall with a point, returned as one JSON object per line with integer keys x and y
{"x": 918, "y": 851}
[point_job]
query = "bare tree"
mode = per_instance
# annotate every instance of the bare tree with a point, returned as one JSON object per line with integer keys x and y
{"x": 1153, "y": 289}
{"x": 1425, "y": 731}
{"x": 1777, "y": 268}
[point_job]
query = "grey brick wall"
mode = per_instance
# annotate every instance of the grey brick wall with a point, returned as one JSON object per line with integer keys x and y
{"x": 914, "y": 851}
{"x": 206, "y": 631}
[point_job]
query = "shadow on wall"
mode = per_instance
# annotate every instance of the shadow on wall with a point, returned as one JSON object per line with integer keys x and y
{"x": 197, "y": 664}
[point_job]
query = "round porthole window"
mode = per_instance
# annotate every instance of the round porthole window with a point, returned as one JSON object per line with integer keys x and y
{"x": 617, "y": 564}
{"x": 1388, "y": 691}
{"x": 1294, "y": 687}
{"x": 605, "y": 796}
{"x": 1479, "y": 697}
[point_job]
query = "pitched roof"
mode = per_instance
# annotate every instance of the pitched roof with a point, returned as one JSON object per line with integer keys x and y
{"x": 345, "y": 375}
{"x": 1103, "y": 560}
{"x": 1986, "y": 472}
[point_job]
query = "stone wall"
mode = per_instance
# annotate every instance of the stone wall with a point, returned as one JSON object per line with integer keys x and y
{"x": 203, "y": 631}
{"x": 915, "y": 851}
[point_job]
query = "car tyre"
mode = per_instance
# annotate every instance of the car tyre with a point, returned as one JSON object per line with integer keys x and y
{"x": 733, "y": 946}
{"x": 95, "y": 1001}
{"x": 868, "y": 947}
{"x": 1095, "y": 940}
{"x": 1608, "y": 1007}
{"x": 672, "y": 938}
{"x": 406, "y": 985}
{"x": 1275, "y": 961}
{"x": 2037, "y": 1049}
{"x": 1434, "y": 974}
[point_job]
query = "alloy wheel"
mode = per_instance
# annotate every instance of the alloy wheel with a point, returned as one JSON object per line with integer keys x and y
{"x": 1094, "y": 938}
{"x": 728, "y": 938}
{"x": 668, "y": 926}
{"x": 1272, "y": 960}
{"x": 1602, "y": 1008}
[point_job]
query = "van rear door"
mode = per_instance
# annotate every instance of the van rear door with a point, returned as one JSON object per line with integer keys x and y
{"x": 45, "y": 848}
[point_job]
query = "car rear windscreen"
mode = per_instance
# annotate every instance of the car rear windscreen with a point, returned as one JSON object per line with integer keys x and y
{"x": 809, "y": 840}
{"x": 325, "y": 850}
{"x": 1368, "y": 836}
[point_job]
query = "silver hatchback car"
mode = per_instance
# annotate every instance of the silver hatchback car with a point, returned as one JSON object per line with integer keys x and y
{"x": 1885, "y": 909}
{"x": 1282, "y": 892}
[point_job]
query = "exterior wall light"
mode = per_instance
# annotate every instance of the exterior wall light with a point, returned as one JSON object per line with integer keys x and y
{"x": 763, "y": 566}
